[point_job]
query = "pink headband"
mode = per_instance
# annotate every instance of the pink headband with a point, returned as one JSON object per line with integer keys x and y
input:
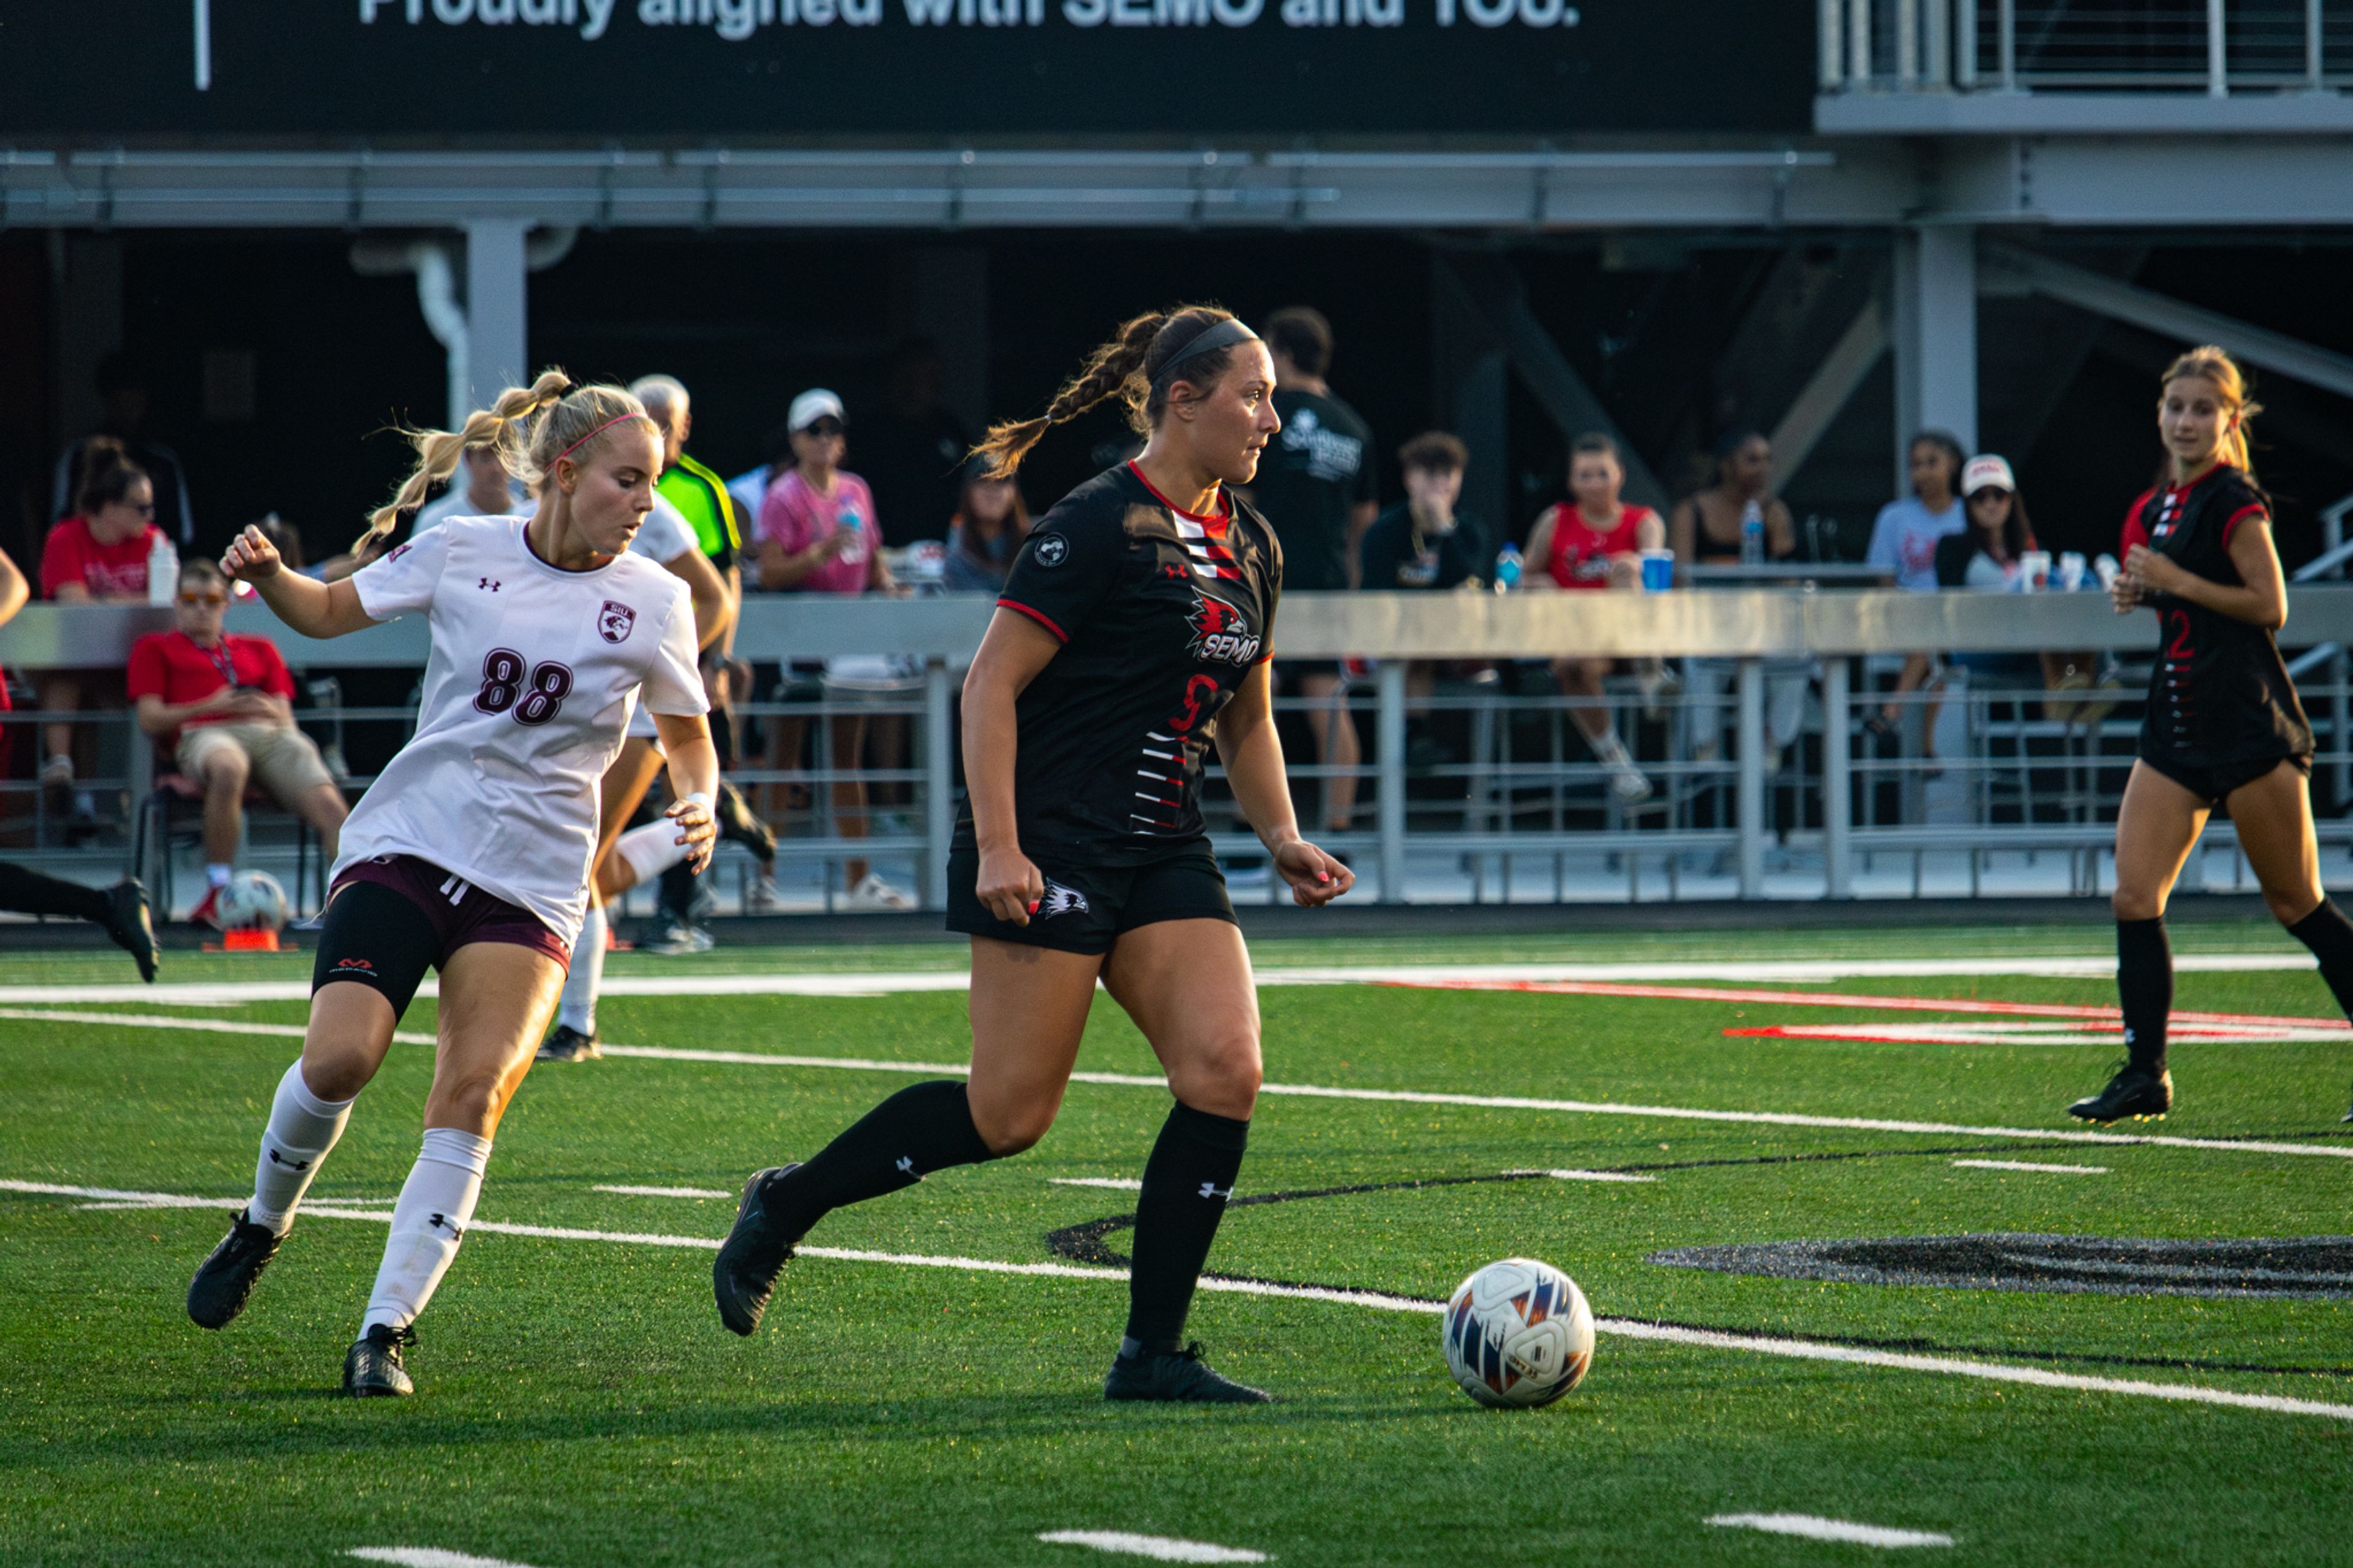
{"x": 594, "y": 434}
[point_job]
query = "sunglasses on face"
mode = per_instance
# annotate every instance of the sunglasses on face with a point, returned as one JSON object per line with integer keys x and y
{"x": 210, "y": 601}
{"x": 824, "y": 429}
{"x": 1988, "y": 494}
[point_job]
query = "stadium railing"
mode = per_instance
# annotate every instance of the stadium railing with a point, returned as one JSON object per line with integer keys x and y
{"x": 1521, "y": 788}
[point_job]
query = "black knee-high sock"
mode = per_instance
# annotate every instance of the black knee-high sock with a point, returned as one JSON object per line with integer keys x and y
{"x": 914, "y": 1132}
{"x": 2329, "y": 934}
{"x": 1186, "y": 1184}
{"x": 2145, "y": 987}
{"x": 31, "y": 893}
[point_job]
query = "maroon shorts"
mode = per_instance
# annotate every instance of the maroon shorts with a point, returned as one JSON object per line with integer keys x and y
{"x": 457, "y": 911}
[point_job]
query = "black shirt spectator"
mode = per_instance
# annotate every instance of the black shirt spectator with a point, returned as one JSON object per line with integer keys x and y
{"x": 912, "y": 453}
{"x": 1399, "y": 553}
{"x": 1316, "y": 483}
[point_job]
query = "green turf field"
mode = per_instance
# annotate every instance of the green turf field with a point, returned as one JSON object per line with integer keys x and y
{"x": 579, "y": 1404}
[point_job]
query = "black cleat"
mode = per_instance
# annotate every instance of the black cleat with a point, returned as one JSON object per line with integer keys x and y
{"x": 569, "y": 1045}
{"x": 373, "y": 1369}
{"x": 224, "y": 1280}
{"x": 132, "y": 924}
{"x": 1176, "y": 1377}
{"x": 738, "y": 825}
{"x": 2134, "y": 1092}
{"x": 756, "y": 1250}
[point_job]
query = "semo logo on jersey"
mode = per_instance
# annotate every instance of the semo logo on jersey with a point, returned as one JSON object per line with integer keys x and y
{"x": 1221, "y": 633}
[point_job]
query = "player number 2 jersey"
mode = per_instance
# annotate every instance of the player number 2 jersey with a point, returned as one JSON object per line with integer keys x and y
{"x": 2218, "y": 694}
{"x": 1161, "y": 614}
{"x": 528, "y": 691}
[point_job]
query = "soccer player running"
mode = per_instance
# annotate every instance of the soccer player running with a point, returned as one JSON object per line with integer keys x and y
{"x": 469, "y": 853}
{"x": 1134, "y": 629}
{"x": 2222, "y": 725}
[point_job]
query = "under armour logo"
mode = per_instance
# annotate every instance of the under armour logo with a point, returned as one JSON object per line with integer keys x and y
{"x": 489, "y": 582}
{"x": 1211, "y": 1189}
{"x": 443, "y": 1222}
{"x": 277, "y": 1159}
{"x": 907, "y": 1165}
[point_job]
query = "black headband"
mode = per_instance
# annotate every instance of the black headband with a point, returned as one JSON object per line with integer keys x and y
{"x": 1224, "y": 335}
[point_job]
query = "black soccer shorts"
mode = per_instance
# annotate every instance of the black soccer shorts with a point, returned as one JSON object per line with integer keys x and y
{"x": 2216, "y": 783}
{"x": 1086, "y": 908}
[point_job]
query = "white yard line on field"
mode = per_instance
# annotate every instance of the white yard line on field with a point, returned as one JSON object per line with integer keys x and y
{"x": 428, "y": 1557}
{"x": 1168, "y": 1548}
{"x": 1801, "y": 1350}
{"x": 2029, "y": 1165}
{"x": 1312, "y": 1091}
{"x": 200, "y": 994}
{"x": 1817, "y": 1529}
{"x": 1117, "y": 1183}
{"x": 664, "y": 1192}
{"x": 1587, "y": 1175}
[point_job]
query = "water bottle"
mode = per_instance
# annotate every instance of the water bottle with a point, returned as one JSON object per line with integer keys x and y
{"x": 163, "y": 569}
{"x": 1752, "y": 533}
{"x": 1507, "y": 568}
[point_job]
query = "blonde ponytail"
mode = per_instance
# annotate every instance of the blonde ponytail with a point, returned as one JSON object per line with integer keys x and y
{"x": 437, "y": 451}
{"x": 2208, "y": 363}
{"x": 1126, "y": 368}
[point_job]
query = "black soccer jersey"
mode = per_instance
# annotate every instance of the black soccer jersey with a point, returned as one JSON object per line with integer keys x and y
{"x": 2218, "y": 694}
{"x": 1161, "y": 614}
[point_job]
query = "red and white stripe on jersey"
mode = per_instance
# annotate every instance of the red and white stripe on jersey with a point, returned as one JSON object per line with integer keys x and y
{"x": 1205, "y": 538}
{"x": 1162, "y": 789}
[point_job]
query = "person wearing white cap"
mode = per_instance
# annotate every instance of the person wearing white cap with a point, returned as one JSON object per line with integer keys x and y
{"x": 818, "y": 534}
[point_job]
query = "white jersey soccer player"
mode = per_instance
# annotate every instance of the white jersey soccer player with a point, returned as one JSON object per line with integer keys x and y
{"x": 533, "y": 682}
{"x": 470, "y": 852}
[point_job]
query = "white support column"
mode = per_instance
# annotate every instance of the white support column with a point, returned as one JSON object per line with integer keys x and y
{"x": 1751, "y": 805}
{"x": 1390, "y": 777}
{"x": 1838, "y": 781}
{"x": 497, "y": 345}
{"x": 939, "y": 781}
{"x": 1935, "y": 337}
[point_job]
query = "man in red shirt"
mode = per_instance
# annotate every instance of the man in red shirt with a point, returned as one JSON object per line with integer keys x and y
{"x": 228, "y": 701}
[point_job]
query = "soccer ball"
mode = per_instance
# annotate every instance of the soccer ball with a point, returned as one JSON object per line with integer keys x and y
{"x": 1518, "y": 1333}
{"x": 252, "y": 901}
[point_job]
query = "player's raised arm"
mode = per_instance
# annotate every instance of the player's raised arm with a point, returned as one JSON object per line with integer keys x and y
{"x": 313, "y": 608}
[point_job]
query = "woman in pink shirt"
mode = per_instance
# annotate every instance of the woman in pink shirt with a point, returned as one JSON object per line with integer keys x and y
{"x": 98, "y": 555}
{"x": 818, "y": 535}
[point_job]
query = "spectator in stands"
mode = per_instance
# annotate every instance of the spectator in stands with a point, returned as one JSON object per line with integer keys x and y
{"x": 1708, "y": 527}
{"x": 990, "y": 524}
{"x": 1422, "y": 542}
{"x": 1903, "y": 543}
{"x": 482, "y": 488}
{"x": 122, "y": 419}
{"x": 701, "y": 498}
{"x": 225, "y": 704}
{"x": 120, "y": 911}
{"x": 818, "y": 534}
{"x": 1984, "y": 556}
{"x": 914, "y": 450}
{"x": 98, "y": 555}
{"x": 749, "y": 491}
{"x": 1317, "y": 487}
{"x": 1594, "y": 540}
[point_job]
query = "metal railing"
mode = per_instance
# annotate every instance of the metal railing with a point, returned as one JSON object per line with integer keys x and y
{"x": 2214, "y": 47}
{"x": 1768, "y": 776}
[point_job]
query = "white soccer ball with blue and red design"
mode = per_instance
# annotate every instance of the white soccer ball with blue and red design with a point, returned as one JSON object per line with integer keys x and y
{"x": 252, "y": 901}
{"x": 1518, "y": 1333}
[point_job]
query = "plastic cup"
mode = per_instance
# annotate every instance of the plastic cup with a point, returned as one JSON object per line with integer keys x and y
{"x": 1658, "y": 571}
{"x": 2034, "y": 571}
{"x": 2070, "y": 574}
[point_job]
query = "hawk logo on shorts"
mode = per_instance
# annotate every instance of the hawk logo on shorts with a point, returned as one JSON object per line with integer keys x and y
{"x": 1221, "y": 633}
{"x": 1060, "y": 901}
{"x": 615, "y": 622}
{"x": 1052, "y": 550}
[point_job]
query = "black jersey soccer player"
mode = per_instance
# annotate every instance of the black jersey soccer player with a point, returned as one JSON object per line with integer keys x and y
{"x": 1133, "y": 631}
{"x": 470, "y": 852}
{"x": 2222, "y": 726}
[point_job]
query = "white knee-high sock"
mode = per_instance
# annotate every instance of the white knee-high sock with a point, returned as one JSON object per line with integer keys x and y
{"x": 302, "y": 1128}
{"x": 437, "y": 1204}
{"x": 577, "y": 1010}
{"x": 652, "y": 849}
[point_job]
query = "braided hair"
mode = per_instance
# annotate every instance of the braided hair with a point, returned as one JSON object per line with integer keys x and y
{"x": 1126, "y": 367}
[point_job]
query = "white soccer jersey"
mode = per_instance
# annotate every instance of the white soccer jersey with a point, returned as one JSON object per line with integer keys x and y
{"x": 664, "y": 537}
{"x": 534, "y": 674}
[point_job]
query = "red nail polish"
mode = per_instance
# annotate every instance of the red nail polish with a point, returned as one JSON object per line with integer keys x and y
{"x": 1033, "y": 906}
